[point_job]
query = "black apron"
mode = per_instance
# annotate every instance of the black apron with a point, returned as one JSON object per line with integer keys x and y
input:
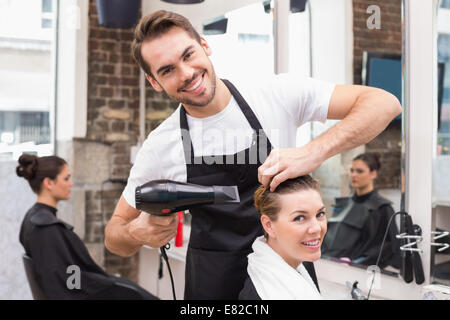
{"x": 222, "y": 235}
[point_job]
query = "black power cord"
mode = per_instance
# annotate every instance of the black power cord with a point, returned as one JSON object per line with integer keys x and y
{"x": 381, "y": 249}
{"x": 164, "y": 255}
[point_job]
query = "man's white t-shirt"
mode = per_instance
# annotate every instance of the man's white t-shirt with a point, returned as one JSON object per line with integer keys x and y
{"x": 282, "y": 103}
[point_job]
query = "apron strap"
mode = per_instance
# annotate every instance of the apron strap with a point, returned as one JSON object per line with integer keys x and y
{"x": 188, "y": 148}
{"x": 246, "y": 110}
{"x": 243, "y": 105}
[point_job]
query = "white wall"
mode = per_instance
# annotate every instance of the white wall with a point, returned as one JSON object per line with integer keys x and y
{"x": 72, "y": 70}
{"x": 332, "y": 40}
{"x": 332, "y": 60}
{"x": 16, "y": 198}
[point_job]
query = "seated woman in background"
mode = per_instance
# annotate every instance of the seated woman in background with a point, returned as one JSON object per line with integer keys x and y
{"x": 54, "y": 247}
{"x": 357, "y": 227}
{"x": 294, "y": 222}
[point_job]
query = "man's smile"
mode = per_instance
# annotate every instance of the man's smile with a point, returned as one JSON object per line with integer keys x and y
{"x": 195, "y": 86}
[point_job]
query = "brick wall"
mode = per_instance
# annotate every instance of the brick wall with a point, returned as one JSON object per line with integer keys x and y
{"x": 158, "y": 107}
{"x": 113, "y": 121}
{"x": 388, "y": 39}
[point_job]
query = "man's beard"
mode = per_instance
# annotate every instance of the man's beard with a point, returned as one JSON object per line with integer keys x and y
{"x": 191, "y": 102}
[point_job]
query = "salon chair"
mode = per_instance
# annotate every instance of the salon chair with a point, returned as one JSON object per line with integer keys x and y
{"x": 36, "y": 290}
{"x": 122, "y": 289}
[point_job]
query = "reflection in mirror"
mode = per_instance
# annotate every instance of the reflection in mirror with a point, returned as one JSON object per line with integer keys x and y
{"x": 361, "y": 187}
{"x": 440, "y": 253}
{"x": 241, "y": 47}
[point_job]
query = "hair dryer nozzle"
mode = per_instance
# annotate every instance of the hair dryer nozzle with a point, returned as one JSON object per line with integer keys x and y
{"x": 226, "y": 194}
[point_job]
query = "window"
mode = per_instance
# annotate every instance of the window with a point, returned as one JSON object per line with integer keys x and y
{"x": 444, "y": 94}
{"x": 47, "y": 6}
{"x": 47, "y": 14}
{"x": 445, "y": 4}
{"x": 27, "y": 66}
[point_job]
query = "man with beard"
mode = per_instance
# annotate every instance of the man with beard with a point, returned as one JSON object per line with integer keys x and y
{"x": 188, "y": 147}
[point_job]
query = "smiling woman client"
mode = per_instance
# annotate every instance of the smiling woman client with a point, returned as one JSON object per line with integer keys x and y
{"x": 294, "y": 222}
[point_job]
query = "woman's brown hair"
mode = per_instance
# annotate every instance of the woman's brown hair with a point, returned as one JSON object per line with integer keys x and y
{"x": 371, "y": 159}
{"x": 35, "y": 169}
{"x": 267, "y": 202}
{"x": 154, "y": 25}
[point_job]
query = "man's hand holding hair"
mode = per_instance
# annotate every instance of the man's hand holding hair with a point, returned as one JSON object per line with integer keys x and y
{"x": 288, "y": 163}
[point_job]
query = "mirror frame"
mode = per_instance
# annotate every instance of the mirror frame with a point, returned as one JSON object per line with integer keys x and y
{"x": 419, "y": 21}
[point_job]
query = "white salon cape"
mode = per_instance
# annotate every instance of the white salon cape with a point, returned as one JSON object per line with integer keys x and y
{"x": 274, "y": 279}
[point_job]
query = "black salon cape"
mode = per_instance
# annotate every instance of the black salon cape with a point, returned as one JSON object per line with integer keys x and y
{"x": 358, "y": 239}
{"x": 53, "y": 247}
{"x": 249, "y": 291}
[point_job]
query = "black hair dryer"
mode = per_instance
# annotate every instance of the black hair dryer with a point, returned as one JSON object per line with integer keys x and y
{"x": 164, "y": 197}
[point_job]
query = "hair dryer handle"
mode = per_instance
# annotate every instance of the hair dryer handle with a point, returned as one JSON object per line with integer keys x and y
{"x": 417, "y": 261}
{"x": 406, "y": 267}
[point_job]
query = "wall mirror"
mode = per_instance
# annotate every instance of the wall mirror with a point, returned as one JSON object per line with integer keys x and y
{"x": 361, "y": 187}
{"x": 440, "y": 253}
{"x": 341, "y": 41}
{"x": 356, "y": 45}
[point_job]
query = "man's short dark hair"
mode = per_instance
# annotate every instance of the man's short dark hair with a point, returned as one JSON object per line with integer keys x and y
{"x": 154, "y": 25}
